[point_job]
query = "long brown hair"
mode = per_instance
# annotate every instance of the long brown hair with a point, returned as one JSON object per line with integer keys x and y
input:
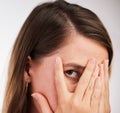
{"x": 44, "y": 31}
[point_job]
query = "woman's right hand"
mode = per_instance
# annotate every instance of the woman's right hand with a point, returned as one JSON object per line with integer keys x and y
{"x": 87, "y": 95}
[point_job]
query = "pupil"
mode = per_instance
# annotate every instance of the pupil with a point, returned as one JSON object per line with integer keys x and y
{"x": 70, "y": 72}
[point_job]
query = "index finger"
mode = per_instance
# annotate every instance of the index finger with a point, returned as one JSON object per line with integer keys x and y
{"x": 61, "y": 86}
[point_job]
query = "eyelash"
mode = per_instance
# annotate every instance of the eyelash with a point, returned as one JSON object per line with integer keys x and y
{"x": 75, "y": 77}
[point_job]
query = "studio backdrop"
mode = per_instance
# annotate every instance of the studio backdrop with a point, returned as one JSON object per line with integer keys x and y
{"x": 14, "y": 12}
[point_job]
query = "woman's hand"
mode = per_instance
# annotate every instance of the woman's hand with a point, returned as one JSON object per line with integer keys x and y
{"x": 104, "y": 102}
{"x": 91, "y": 94}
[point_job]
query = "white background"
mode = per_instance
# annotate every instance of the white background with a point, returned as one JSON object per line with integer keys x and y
{"x": 14, "y": 12}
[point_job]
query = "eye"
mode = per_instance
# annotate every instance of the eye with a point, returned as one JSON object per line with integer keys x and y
{"x": 73, "y": 75}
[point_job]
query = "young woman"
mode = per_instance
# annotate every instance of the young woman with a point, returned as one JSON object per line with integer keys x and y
{"x": 60, "y": 62}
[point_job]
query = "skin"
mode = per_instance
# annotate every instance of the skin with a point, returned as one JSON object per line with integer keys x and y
{"x": 55, "y": 89}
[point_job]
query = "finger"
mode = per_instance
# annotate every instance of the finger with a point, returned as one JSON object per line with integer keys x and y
{"x": 102, "y": 103}
{"x": 84, "y": 80}
{"x": 61, "y": 86}
{"x": 102, "y": 100}
{"x": 103, "y": 79}
{"x": 90, "y": 88}
{"x": 43, "y": 103}
{"x": 95, "y": 100}
{"x": 106, "y": 86}
{"x": 106, "y": 75}
{"x": 102, "y": 70}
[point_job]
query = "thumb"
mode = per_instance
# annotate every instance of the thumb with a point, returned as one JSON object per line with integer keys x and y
{"x": 43, "y": 103}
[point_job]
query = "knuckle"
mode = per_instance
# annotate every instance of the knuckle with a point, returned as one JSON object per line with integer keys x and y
{"x": 96, "y": 95}
{"x": 91, "y": 84}
{"x": 90, "y": 87}
{"x": 80, "y": 106}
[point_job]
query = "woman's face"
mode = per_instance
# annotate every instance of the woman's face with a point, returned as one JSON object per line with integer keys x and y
{"x": 74, "y": 54}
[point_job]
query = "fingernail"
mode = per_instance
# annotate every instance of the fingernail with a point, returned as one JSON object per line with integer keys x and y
{"x": 35, "y": 96}
{"x": 58, "y": 60}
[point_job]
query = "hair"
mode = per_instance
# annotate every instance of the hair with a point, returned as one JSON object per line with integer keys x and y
{"x": 43, "y": 32}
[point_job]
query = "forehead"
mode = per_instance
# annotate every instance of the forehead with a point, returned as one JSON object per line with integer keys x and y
{"x": 78, "y": 48}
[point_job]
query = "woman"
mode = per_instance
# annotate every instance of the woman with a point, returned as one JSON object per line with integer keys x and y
{"x": 60, "y": 62}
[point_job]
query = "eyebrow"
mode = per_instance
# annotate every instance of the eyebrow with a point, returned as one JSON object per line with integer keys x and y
{"x": 75, "y": 65}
